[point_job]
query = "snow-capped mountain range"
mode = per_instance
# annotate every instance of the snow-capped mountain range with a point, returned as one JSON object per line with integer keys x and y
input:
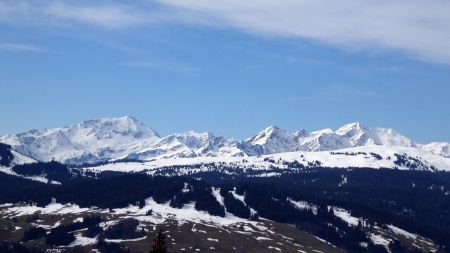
{"x": 127, "y": 138}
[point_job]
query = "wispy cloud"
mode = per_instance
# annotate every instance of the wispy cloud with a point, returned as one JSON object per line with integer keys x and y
{"x": 107, "y": 14}
{"x": 110, "y": 16}
{"x": 22, "y": 48}
{"x": 420, "y": 29}
{"x": 169, "y": 66}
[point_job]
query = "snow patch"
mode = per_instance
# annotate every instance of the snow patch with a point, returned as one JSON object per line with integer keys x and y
{"x": 400, "y": 231}
{"x": 345, "y": 216}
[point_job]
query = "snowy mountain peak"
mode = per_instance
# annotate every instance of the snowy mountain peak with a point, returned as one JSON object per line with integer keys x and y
{"x": 439, "y": 148}
{"x": 323, "y": 131}
{"x": 270, "y": 130}
{"x": 351, "y": 129}
{"x": 207, "y": 144}
{"x": 126, "y": 125}
{"x": 271, "y": 140}
{"x": 195, "y": 134}
{"x": 268, "y": 134}
{"x": 89, "y": 141}
{"x": 194, "y": 139}
{"x": 359, "y": 135}
{"x": 301, "y": 133}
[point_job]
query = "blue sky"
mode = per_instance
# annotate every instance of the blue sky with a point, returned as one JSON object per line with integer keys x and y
{"x": 228, "y": 67}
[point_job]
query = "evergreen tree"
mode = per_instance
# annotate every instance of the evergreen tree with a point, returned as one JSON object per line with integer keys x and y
{"x": 159, "y": 245}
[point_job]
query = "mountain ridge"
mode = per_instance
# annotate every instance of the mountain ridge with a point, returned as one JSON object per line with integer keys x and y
{"x": 109, "y": 139}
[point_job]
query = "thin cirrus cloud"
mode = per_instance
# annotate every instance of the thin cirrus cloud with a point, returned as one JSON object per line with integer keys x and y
{"x": 108, "y": 14}
{"x": 168, "y": 66}
{"x": 22, "y": 48}
{"x": 418, "y": 28}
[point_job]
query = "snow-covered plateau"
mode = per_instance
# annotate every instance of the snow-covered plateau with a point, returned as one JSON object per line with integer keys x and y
{"x": 375, "y": 157}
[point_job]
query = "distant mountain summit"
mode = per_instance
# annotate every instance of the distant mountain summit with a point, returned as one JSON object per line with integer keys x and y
{"x": 272, "y": 140}
{"x": 439, "y": 148}
{"x": 275, "y": 140}
{"x": 109, "y": 139}
{"x": 90, "y": 141}
{"x": 359, "y": 135}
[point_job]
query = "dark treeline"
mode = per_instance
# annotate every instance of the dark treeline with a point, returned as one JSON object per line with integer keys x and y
{"x": 51, "y": 170}
{"x": 11, "y": 184}
{"x": 5, "y": 155}
{"x": 113, "y": 192}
